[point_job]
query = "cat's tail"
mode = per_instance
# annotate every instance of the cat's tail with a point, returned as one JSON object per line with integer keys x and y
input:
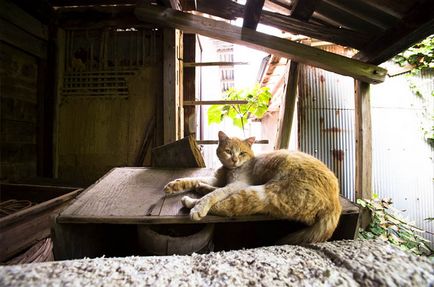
{"x": 320, "y": 231}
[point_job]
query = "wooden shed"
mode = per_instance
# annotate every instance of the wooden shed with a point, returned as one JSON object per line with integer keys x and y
{"x": 90, "y": 85}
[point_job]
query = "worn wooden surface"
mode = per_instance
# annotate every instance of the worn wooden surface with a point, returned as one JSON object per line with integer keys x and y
{"x": 23, "y": 228}
{"x": 135, "y": 196}
{"x": 180, "y": 154}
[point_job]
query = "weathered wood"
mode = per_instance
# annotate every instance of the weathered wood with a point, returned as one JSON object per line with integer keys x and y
{"x": 216, "y": 142}
{"x": 182, "y": 153}
{"x": 23, "y": 228}
{"x": 303, "y": 10}
{"x": 16, "y": 37}
{"x": 244, "y": 36}
{"x": 252, "y": 13}
{"x": 26, "y": 22}
{"x": 233, "y": 10}
{"x": 363, "y": 181}
{"x": 207, "y": 64}
{"x": 189, "y": 83}
{"x": 135, "y": 196}
{"x": 287, "y": 108}
{"x": 414, "y": 27}
{"x": 170, "y": 91}
{"x": 202, "y": 103}
{"x": 148, "y": 131}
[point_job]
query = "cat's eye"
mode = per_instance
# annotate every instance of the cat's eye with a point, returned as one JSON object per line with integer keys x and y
{"x": 228, "y": 151}
{"x": 243, "y": 153}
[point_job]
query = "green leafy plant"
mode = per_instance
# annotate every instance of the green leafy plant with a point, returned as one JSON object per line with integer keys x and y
{"x": 388, "y": 225}
{"x": 257, "y": 97}
{"x": 420, "y": 56}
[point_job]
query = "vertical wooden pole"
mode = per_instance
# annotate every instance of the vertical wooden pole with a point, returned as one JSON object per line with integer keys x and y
{"x": 363, "y": 181}
{"x": 189, "y": 84}
{"x": 170, "y": 86}
{"x": 287, "y": 108}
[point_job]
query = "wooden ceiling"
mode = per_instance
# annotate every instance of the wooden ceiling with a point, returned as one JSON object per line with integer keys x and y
{"x": 378, "y": 29}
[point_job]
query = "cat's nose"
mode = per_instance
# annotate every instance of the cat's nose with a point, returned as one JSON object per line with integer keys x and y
{"x": 234, "y": 159}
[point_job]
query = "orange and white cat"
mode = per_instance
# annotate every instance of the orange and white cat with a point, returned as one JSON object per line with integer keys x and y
{"x": 283, "y": 184}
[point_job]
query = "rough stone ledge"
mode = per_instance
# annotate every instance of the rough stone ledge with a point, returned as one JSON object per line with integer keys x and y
{"x": 338, "y": 263}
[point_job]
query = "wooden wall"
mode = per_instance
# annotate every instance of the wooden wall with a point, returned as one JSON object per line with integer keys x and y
{"x": 23, "y": 47}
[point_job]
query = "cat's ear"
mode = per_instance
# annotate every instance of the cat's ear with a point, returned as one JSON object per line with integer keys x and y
{"x": 250, "y": 140}
{"x": 222, "y": 136}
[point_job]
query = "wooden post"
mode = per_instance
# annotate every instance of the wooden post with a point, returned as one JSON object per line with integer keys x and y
{"x": 287, "y": 108}
{"x": 171, "y": 91}
{"x": 189, "y": 84}
{"x": 363, "y": 182}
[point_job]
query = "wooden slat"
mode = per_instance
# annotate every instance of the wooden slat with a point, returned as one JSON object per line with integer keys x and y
{"x": 271, "y": 44}
{"x": 16, "y": 37}
{"x": 232, "y": 10}
{"x": 211, "y": 64}
{"x": 60, "y": 3}
{"x": 288, "y": 108}
{"x": 18, "y": 17}
{"x": 203, "y": 103}
{"x": 414, "y": 27}
{"x": 252, "y": 13}
{"x": 363, "y": 140}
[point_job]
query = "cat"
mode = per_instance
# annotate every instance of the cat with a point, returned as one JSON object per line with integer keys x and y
{"x": 283, "y": 184}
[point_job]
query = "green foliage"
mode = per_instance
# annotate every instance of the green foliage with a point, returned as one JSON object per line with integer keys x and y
{"x": 420, "y": 56}
{"x": 389, "y": 226}
{"x": 257, "y": 98}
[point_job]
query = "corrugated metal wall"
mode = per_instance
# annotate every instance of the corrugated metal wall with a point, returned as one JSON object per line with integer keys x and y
{"x": 326, "y": 122}
{"x": 402, "y": 159}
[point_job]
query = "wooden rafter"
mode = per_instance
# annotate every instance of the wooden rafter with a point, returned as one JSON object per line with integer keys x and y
{"x": 303, "y": 10}
{"x": 256, "y": 40}
{"x": 417, "y": 25}
{"x": 252, "y": 13}
{"x": 233, "y": 10}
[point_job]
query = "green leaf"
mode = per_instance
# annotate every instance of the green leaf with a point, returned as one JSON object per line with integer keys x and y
{"x": 215, "y": 114}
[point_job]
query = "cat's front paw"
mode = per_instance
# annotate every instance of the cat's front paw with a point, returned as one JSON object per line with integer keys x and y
{"x": 198, "y": 212}
{"x": 174, "y": 186}
{"x": 188, "y": 202}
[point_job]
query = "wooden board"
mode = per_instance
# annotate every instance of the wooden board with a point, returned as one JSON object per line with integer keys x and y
{"x": 135, "y": 196}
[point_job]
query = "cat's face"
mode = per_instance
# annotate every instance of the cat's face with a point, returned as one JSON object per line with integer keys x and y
{"x": 233, "y": 152}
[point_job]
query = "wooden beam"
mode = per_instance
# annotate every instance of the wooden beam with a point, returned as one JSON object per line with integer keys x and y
{"x": 414, "y": 27}
{"x": 256, "y": 40}
{"x": 210, "y": 64}
{"x": 287, "y": 108}
{"x": 203, "y": 103}
{"x": 303, "y": 10}
{"x": 230, "y": 10}
{"x": 189, "y": 84}
{"x": 216, "y": 142}
{"x": 252, "y": 13}
{"x": 170, "y": 88}
{"x": 363, "y": 182}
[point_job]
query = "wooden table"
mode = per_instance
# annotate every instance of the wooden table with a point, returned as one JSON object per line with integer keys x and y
{"x": 133, "y": 196}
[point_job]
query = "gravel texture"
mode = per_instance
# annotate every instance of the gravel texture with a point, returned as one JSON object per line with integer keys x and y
{"x": 339, "y": 263}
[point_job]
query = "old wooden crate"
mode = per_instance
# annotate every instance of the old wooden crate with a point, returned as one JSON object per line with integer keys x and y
{"x": 23, "y": 228}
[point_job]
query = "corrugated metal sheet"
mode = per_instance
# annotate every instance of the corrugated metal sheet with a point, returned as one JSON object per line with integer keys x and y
{"x": 326, "y": 122}
{"x": 402, "y": 159}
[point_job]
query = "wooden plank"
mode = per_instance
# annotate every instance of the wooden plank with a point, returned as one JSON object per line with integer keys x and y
{"x": 189, "y": 83}
{"x": 61, "y": 3}
{"x": 244, "y": 36}
{"x": 18, "y": 17}
{"x": 233, "y": 10}
{"x": 203, "y": 103}
{"x": 211, "y": 64}
{"x": 135, "y": 196}
{"x": 363, "y": 182}
{"x": 252, "y": 13}
{"x": 287, "y": 109}
{"x": 180, "y": 154}
{"x": 170, "y": 95}
{"x": 414, "y": 27}
{"x": 16, "y": 37}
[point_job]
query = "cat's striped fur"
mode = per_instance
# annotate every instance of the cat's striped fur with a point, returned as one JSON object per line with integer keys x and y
{"x": 283, "y": 184}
